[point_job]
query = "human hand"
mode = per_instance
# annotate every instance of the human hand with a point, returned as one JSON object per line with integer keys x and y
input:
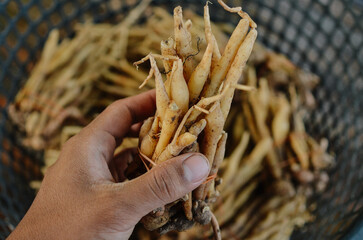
{"x": 81, "y": 199}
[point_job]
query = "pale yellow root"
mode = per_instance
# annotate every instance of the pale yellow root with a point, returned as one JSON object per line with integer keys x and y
{"x": 31, "y": 122}
{"x": 244, "y": 87}
{"x": 187, "y": 207}
{"x": 267, "y": 206}
{"x": 210, "y": 37}
{"x": 267, "y": 232}
{"x": 239, "y": 11}
{"x": 229, "y": 9}
{"x": 200, "y": 107}
{"x": 251, "y": 76}
{"x": 189, "y": 25}
{"x": 175, "y": 147}
{"x": 178, "y": 87}
{"x": 169, "y": 125}
{"x": 281, "y": 122}
{"x": 218, "y": 158}
{"x": 162, "y": 98}
{"x": 246, "y": 16}
{"x": 252, "y": 164}
{"x": 227, "y": 213}
{"x": 300, "y": 147}
{"x": 124, "y": 27}
{"x": 167, "y": 49}
{"x": 260, "y": 105}
{"x": 33, "y": 84}
{"x": 151, "y": 73}
{"x": 183, "y": 42}
{"x": 200, "y": 75}
{"x": 54, "y": 124}
{"x": 236, "y": 69}
{"x": 148, "y": 143}
{"x": 212, "y": 134}
{"x": 224, "y": 64}
{"x": 234, "y": 160}
{"x": 120, "y": 79}
{"x": 198, "y": 127}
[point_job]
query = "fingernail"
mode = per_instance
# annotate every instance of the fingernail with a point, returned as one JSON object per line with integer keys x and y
{"x": 196, "y": 167}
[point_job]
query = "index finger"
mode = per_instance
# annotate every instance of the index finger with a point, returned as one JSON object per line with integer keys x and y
{"x": 120, "y": 115}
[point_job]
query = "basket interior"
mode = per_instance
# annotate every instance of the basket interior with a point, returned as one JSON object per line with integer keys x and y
{"x": 323, "y": 36}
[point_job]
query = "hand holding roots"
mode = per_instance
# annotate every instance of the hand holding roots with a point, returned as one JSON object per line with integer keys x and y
{"x": 192, "y": 107}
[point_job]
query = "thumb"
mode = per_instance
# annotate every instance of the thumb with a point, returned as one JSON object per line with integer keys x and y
{"x": 166, "y": 183}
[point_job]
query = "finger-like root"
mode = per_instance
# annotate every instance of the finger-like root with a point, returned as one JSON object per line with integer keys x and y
{"x": 149, "y": 141}
{"x": 218, "y": 158}
{"x": 167, "y": 49}
{"x": 183, "y": 42}
{"x": 239, "y": 11}
{"x": 169, "y": 126}
{"x": 300, "y": 147}
{"x": 216, "y": 229}
{"x": 202, "y": 105}
{"x": 145, "y": 128}
{"x": 200, "y": 75}
{"x": 224, "y": 64}
{"x": 162, "y": 98}
{"x": 212, "y": 134}
{"x": 211, "y": 40}
{"x": 178, "y": 87}
{"x": 236, "y": 69}
{"x": 187, "y": 207}
{"x": 198, "y": 127}
{"x": 174, "y": 148}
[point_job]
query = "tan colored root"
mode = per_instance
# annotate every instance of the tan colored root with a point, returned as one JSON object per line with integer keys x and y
{"x": 183, "y": 42}
{"x": 211, "y": 39}
{"x": 216, "y": 229}
{"x": 218, "y": 159}
{"x": 178, "y": 87}
{"x": 281, "y": 121}
{"x": 212, "y": 134}
{"x": 167, "y": 49}
{"x": 198, "y": 127}
{"x": 149, "y": 142}
{"x": 55, "y": 124}
{"x": 239, "y": 11}
{"x": 168, "y": 128}
{"x": 203, "y": 104}
{"x": 187, "y": 207}
{"x": 200, "y": 75}
{"x": 224, "y": 64}
{"x": 227, "y": 213}
{"x": 260, "y": 105}
{"x": 162, "y": 98}
{"x": 234, "y": 160}
{"x": 252, "y": 165}
{"x": 174, "y": 148}
{"x": 236, "y": 69}
{"x": 300, "y": 147}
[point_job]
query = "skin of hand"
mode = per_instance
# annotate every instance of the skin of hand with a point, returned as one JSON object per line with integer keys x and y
{"x": 81, "y": 196}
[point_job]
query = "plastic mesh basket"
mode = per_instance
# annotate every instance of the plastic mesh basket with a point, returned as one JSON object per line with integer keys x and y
{"x": 324, "y": 36}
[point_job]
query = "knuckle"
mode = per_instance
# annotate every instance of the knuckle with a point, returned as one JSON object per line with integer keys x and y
{"x": 115, "y": 106}
{"x": 164, "y": 185}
